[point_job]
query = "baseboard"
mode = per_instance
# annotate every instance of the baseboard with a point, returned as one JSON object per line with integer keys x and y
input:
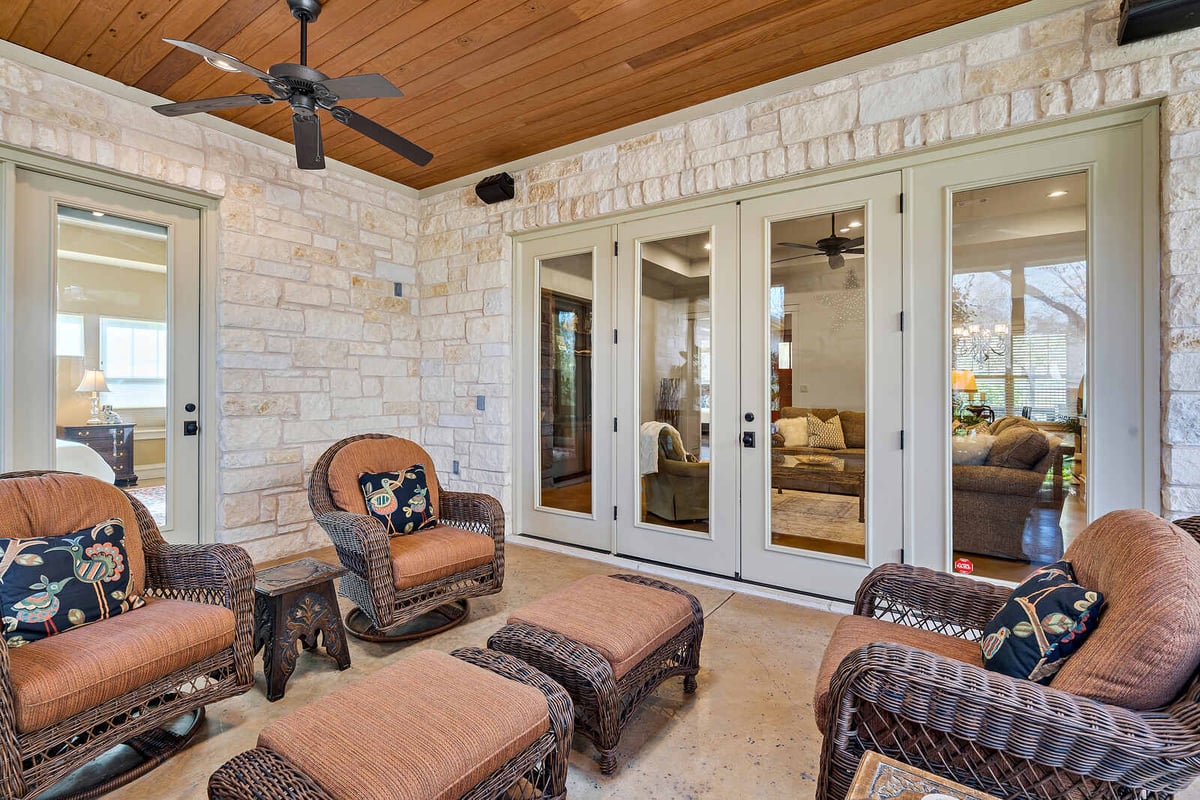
{"x": 150, "y": 471}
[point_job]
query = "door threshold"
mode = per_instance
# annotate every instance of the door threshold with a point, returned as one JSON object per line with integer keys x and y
{"x": 741, "y": 585}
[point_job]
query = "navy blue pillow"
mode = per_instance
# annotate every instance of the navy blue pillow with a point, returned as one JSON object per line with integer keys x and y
{"x": 400, "y": 500}
{"x": 1045, "y": 620}
{"x": 54, "y": 583}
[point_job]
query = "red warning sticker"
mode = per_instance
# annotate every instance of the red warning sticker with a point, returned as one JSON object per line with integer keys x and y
{"x": 964, "y": 566}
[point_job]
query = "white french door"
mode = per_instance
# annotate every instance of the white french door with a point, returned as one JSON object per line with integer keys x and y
{"x": 565, "y": 334}
{"x": 821, "y": 364}
{"x": 108, "y": 317}
{"x": 677, "y": 389}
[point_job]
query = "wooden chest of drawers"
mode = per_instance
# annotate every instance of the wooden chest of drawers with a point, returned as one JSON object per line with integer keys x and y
{"x": 114, "y": 443}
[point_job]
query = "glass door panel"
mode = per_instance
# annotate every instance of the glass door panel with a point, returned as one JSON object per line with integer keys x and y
{"x": 821, "y": 385}
{"x": 565, "y": 397}
{"x": 678, "y": 389}
{"x": 1019, "y": 354}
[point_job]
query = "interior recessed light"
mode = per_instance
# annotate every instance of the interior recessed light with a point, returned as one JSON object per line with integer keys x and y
{"x": 97, "y": 213}
{"x": 708, "y": 245}
{"x": 856, "y": 224}
{"x": 1058, "y": 193}
{"x": 844, "y": 230}
{"x": 221, "y": 63}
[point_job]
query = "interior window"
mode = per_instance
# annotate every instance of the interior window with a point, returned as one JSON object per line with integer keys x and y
{"x": 134, "y": 355}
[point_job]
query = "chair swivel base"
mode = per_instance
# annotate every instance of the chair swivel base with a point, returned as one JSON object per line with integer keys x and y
{"x": 431, "y": 623}
{"x": 127, "y": 761}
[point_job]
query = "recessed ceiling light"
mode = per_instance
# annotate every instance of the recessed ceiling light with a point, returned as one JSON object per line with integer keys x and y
{"x": 1058, "y": 193}
{"x": 97, "y": 213}
{"x": 856, "y": 224}
{"x": 221, "y": 63}
{"x": 844, "y": 230}
{"x": 708, "y": 245}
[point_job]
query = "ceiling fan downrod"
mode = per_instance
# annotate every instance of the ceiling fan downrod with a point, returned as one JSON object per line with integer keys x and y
{"x": 305, "y": 11}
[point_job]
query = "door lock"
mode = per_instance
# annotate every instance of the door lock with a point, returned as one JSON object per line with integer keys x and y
{"x": 191, "y": 427}
{"x": 748, "y": 439}
{"x": 749, "y": 416}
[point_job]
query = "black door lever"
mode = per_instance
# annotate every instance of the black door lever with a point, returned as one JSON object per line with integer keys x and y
{"x": 748, "y": 439}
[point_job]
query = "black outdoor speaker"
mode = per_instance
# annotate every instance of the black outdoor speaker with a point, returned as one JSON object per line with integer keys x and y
{"x": 496, "y": 188}
{"x": 1145, "y": 19}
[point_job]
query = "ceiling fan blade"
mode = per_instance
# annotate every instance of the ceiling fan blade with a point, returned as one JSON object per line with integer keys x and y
{"x": 856, "y": 250}
{"x": 390, "y": 139}
{"x": 213, "y": 104}
{"x": 310, "y": 151}
{"x": 354, "y": 87}
{"x": 804, "y": 246}
{"x": 856, "y": 242}
{"x": 217, "y": 59}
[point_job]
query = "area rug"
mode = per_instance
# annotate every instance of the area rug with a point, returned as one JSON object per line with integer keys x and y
{"x": 817, "y": 516}
{"x": 154, "y": 498}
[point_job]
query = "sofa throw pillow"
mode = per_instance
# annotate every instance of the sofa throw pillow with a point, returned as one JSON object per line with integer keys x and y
{"x": 1045, "y": 620}
{"x": 400, "y": 500}
{"x": 54, "y": 583}
{"x": 794, "y": 430}
{"x": 1018, "y": 448}
{"x": 826, "y": 435}
{"x": 971, "y": 451}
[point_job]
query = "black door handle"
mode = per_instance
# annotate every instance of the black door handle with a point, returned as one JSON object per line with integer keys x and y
{"x": 748, "y": 439}
{"x": 191, "y": 427}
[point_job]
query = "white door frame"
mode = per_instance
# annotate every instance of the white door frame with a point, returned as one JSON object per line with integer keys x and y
{"x": 1122, "y": 320}
{"x": 761, "y": 561}
{"x": 594, "y": 530}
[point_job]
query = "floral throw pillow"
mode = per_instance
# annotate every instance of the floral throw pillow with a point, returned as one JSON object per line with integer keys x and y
{"x": 400, "y": 500}
{"x": 1045, "y": 620}
{"x": 54, "y": 583}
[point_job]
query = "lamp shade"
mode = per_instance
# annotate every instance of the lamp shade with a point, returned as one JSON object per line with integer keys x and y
{"x": 93, "y": 381}
{"x": 963, "y": 380}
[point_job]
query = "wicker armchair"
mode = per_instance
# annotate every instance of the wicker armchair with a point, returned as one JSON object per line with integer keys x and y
{"x": 918, "y": 698}
{"x": 31, "y": 760}
{"x": 396, "y": 581}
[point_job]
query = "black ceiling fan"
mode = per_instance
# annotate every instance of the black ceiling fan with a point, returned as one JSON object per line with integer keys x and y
{"x": 833, "y": 247}
{"x": 306, "y": 90}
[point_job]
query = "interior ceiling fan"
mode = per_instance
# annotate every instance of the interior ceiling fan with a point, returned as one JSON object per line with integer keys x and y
{"x": 833, "y": 247}
{"x": 307, "y": 91}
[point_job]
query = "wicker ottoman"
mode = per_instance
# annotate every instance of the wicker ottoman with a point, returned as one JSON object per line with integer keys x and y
{"x": 474, "y": 724}
{"x": 610, "y": 641}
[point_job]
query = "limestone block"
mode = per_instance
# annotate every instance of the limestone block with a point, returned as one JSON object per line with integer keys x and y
{"x": 1025, "y": 70}
{"x": 818, "y": 118}
{"x": 912, "y": 94}
{"x": 246, "y": 433}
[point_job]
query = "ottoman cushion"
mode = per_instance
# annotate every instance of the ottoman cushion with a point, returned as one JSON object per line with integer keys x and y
{"x": 624, "y": 622}
{"x": 430, "y": 726}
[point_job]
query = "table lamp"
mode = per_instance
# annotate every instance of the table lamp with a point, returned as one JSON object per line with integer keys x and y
{"x": 93, "y": 381}
{"x": 963, "y": 380}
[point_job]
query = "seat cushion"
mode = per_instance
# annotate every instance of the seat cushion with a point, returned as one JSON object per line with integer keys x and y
{"x": 854, "y": 428}
{"x": 853, "y": 632}
{"x": 61, "y": 676}
{"x": 1146, "y": 645}
{"x": 430, "y": 726}
{"x": 624, "y": 622}
{"x": 437, "y": 552}
{"x": 389, "y": 454}
{"x": 57, "y": 504}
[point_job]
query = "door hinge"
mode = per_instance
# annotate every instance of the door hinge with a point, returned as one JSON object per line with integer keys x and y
{"x": 901, "y": 555}
{"x": 616, "y": 249}
{"x": 902, "y": 202}
{"x": 901, "y": 321}
{"x": 614, "y": 335}
{"x": 901, "y": 438}
{"x": 614, "y": 424}
{"x": 614, "y": 512}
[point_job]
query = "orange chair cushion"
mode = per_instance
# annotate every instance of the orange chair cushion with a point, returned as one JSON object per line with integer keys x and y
{"x": 623, "y": 622}
{"x": 437, "y": 552}
{"x": 58, "y": 677}
{"x": 60, "y": 504}
{"x": 429, "y": 727}
{"x": 853, "y": 632}
{"x": 375, "y": 455}
{"x": 1146, "y": 646}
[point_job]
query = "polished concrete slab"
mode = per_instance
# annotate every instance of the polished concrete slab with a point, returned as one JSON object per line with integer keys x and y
{"x": 748, "y": 731}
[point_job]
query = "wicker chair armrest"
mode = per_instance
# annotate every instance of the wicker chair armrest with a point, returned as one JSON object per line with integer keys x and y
{"x": 262, "y": 774}
{"x": 924, "y": 598}
{"x": 480, "y": 513}
{"x": 1019, "y": 717}
{"x": 558, "y": 702}
{"x": 12, "y": 782}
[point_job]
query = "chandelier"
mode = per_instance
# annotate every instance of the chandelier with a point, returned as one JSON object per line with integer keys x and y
{"x": 981, "y": 343}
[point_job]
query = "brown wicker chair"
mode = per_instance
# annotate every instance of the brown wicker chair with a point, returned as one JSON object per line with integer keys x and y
{"x": 221, "y": 574}
{"x": 1011, "y": 738}
{"x": 397, "y": 581}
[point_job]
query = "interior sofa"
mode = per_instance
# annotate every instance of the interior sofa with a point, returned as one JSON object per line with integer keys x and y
{"x": 992, "y": 503}
{"x": 854, "y": 431}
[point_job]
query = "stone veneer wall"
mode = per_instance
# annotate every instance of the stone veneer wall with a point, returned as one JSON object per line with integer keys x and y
{"x": 1055, "y": 67}
{"x": 313, "y": 345}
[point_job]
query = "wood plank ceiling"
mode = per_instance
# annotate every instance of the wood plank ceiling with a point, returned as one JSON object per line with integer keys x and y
{"x": 486, "y": 81}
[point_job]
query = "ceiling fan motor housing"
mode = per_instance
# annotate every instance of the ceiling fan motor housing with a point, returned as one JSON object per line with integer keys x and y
{"x": 305, "y": 10}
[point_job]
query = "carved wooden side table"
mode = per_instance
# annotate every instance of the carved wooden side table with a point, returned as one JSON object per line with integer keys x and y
{"x": 882, "y": 778}
{"x": 293, "y": 603}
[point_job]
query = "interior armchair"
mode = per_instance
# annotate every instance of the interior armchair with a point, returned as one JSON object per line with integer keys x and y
{"x": 411, "y": 585}
{"x": 904, "y": 677}
{"x": 69, "y": 698}
{"x": 679, "y": 490}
